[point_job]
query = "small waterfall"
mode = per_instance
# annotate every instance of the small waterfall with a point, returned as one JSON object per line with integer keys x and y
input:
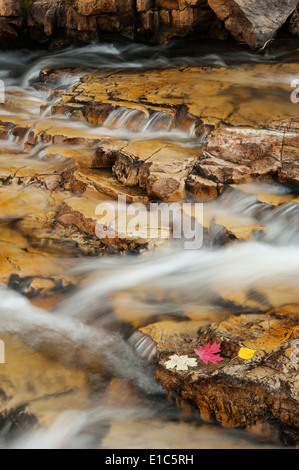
{"x": 11, "y": 138}
{"x": 123, "y": 118}
{"x": 11, "y": 143}
{"x": 193, "y": 134}
{"x": 157, "y": 122}
{"x": 65, "y": 336}
{"x": 192, "y": 130}
{"x": 136, "y": 121}
{"x": 48, "y": 109}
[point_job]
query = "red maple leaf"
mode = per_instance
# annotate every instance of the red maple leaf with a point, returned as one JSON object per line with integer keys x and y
{"x": 208, "y": 353}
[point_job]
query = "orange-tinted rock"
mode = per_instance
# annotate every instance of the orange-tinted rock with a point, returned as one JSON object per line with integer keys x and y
{"x": 258, "y": 392}
{"x": 201, "y": 188}
{"x": 80, "y": 22}
{"x": 95, "y": 7}
{"x": 160, "y": 168}
{"x": 232, "y": 155}
{"x": 77, "y": 220}
{"x": 143, "y": 5}
{"x": 57, "y": 387}
{"x": 190, "y": 95}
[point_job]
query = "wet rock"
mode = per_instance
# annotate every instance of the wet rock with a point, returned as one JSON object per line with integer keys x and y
{"x": 106, "y": 184}
{"x": 77, "y": 218}
{"x": 75, "y": 160}
{"x": 134, "y": 427}
{"x": 258, "y": 391}
{"x": 34, "y": 257}
{"x": 36, "y": 272}
{"x": 46, "y": 132}
{"x": 163, "y": 170}
{"x": 269, "y": 152}
{"x": 232, "y": 155}
{"x": 16, "y": 422}
{"x": 193, "y": 97}
{"x": 166, "y": 333}
{"x": 27, "y": 173}
{"x": 164, "y": 174}
{"x": 159, "y": 168}
{"x": 18, "y": 203}
{"x": 254, "y": 23}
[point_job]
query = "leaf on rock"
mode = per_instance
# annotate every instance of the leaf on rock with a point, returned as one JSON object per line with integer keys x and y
{"x": 209, "y": 352}
{"x": 246, "y": 353}
{"x": 180, "y": 362}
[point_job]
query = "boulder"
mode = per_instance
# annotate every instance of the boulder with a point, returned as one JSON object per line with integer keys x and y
{"x": 144, "y": 5}
{"x": 255, "y": 384}
{"x": 44, "y": 14}
{"x": 236, "y": 155}
{"x": 11, "y": 7}
{"x": 77, "y": 220}
{"x": 7, "y": 34}
{"x": 75, "y": 20}
{"x": 253, "y": 22}
{"x": 95, "y": 7}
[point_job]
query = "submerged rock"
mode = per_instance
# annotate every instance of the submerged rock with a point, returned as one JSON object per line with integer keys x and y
{"x": 30, "y": 400}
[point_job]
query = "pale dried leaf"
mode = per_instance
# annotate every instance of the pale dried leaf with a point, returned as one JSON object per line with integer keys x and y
{"x": 180, "y": 362}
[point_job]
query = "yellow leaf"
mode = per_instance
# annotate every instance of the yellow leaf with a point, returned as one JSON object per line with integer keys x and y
{"x": 246, "y": 353}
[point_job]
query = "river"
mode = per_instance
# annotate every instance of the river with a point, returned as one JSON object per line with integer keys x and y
{"x": 73, "y": 361}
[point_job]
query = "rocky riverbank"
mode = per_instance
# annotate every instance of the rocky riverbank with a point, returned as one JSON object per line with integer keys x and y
{"x": 60, "y": 22}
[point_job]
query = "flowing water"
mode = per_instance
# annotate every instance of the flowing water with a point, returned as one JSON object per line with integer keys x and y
{"x": 77, "y": 364}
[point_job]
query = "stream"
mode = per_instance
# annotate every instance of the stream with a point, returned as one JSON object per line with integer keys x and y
{"x": 74, "y": 362}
